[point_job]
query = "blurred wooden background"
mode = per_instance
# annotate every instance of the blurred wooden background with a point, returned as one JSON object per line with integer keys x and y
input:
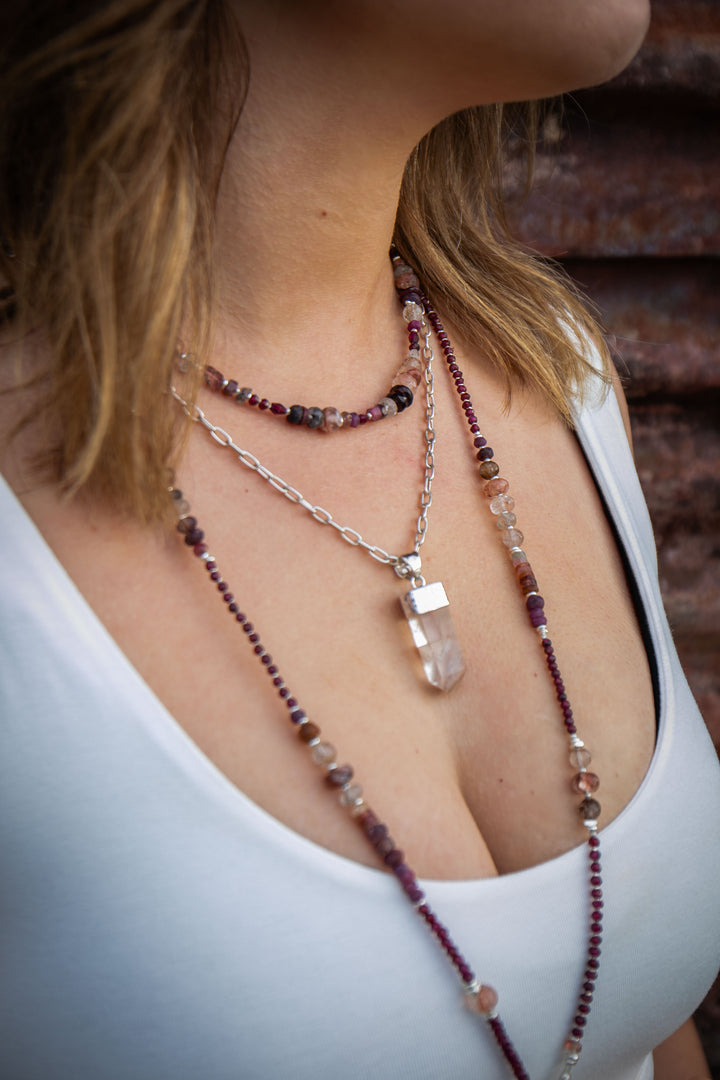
{"x": 627, "y": 196}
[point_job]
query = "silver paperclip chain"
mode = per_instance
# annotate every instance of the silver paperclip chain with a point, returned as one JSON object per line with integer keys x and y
{"x": 405, "y": 566}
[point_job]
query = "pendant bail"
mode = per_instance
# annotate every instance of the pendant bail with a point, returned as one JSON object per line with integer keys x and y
{"x": 408, "y": 568}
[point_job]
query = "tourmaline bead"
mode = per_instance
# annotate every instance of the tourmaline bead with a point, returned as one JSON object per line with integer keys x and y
{"x": 512, "y": 538}
{"x": 402, "y": 396}
{"x": 213, "y": 378}
{"x": 340, "y": 776}
{"x": 375, "y": 413}
{"x": 573, "y": 1046}
{"x": 187, "y": 524}
{"x": 308, "y": 732}
{"x": 406, "y": 279}
{"x": 489, "y": 469}
{"x": 585, "y": 783}
{"x": 506, "y": 520}
{"x": 314, "y": 417}
{"x": 589, "y": 809}
{"x": 580, "y": 758}
{"x": 332, "y": 420}
{"x": 231, "y": 388}
{"x": 323, "y": 753}
{"x": 485, "y": 453}
{"x": 534, "y": 602}
{"x": 501, "y": 503}
{"x": 295, "y": 414}
{"x": 518, "y": 557}
{"x": 497, "y": 486}
{"x": 483, "y": 1002}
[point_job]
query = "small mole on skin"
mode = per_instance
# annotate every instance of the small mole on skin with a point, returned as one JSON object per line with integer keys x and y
{"x": 323, "y": 213}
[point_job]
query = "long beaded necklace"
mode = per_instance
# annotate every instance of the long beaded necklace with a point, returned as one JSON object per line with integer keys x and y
{"x": 480, "y": 997}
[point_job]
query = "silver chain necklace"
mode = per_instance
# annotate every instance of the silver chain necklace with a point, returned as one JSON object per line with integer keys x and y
{"x": 426, "y": 605}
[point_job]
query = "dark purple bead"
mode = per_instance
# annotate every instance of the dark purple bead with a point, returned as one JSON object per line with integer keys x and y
{"x": 295, "y": 414}
{"x": 278, "y": 409}
{"x": 402, "y": 396}
{"x": 231, "y": 388}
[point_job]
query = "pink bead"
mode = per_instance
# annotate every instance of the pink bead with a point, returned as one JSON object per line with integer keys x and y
{"x": 483, "y": 1002}
{"x": 496, "y": 486}
{"x": 585, "y": 783}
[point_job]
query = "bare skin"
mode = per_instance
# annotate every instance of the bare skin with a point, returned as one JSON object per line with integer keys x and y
{"x": 308, "y": 314}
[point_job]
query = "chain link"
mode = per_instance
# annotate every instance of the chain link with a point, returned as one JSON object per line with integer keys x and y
{"x": 318, "y": 513}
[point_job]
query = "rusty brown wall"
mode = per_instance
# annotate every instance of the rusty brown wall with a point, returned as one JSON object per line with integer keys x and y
{"x": 628, "y": 197}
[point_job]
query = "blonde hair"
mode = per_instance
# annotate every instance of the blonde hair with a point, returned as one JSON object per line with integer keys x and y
{"x": 107, "y": 187}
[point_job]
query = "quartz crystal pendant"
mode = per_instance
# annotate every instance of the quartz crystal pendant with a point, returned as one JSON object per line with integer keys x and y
{"x": 427, "y": 611}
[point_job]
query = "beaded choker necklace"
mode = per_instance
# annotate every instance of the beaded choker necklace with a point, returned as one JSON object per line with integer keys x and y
{"x": 480, "y": 997}
{"x": 398, "y": 398}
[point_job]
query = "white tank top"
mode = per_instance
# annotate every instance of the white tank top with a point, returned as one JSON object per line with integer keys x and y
{"x": 155, "y": 924}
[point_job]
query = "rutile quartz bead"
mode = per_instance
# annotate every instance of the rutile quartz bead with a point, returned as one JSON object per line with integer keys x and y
{"x": 585, "y": 783}
{"x": 388, "y": 406}
{"x": 489, "y": 469}
{"x": 506, "y": 520}
{"x": 497, "y": 486}
{"x": 501, "y": 503}
{"x": 332, "y": 419}
{"x": 323, "y": 753}
{"x": 350, "y": 795}
{"x": 580, "y": 758}
{"x": 589, "y": 809}
{"x": 512, "y": 538}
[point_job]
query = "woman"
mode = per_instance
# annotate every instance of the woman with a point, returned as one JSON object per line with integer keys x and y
{"x": 184, "y": 897}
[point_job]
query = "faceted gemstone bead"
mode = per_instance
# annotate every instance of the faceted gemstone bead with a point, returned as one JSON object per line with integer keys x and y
{"x": 584, "y": 783}
{"x": 411, "y": 312}
{"x": 350, "y": 795}
{"x": 483, "y": 1002}
{"x": 375, "y": 413}
{"x": 580, "y": 758}
{"x": 314, "y": 417}
{"x": 506, "y": 520}
{"x": 388, "y": 406}
{"x": 231, "y": 388}
{"x": 340, "y": 776}
{"x": 489, "y": 469}
{"x": 406, "y": 279}
{"x": 497, "y": 486}
{"x": 402, "y": 396}
{"x": 573, "y": 1046}
{"x": 308, "y": 732}
{"x": 518, "y": 557}
{"x": 295, "y": 414}
{"x": 323, "y": 753}
{"x": 278, "y": 409}
{"x": 512, "y": 538}
{"x": 589, "y": 809}
{"x": 332, "y": 420}
{"x": 500, "y": 503}
{"x": 213, "y": 379}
